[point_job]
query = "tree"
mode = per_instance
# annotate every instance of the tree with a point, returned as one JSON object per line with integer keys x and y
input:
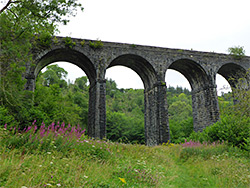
{"x": 54, "y": 75}
{"x": 21, "y": 22}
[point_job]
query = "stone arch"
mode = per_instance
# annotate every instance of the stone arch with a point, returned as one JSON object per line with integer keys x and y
{"x": 192, "y": 71}
{"x": 204, "y": 96}
{"x": 69, "y": 55}
{"x": 96, "y": 111}
{"x": 232, "y": 73}
{"x": 155, "y": 115}
{"x": 138, "y": 64}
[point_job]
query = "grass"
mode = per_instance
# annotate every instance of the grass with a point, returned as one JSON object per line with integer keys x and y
{"x": 72, "y": 160}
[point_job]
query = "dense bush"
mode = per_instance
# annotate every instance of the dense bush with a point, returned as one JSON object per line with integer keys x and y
{"x": 232, "y": 129}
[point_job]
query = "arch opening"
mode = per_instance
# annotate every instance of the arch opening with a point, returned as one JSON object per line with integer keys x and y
{"x": 79, "y": 100}
{"x": 179, "y": 99}
{"x": 204, "y": 98}
{"x": 224, "y": 93}
{"x": 124, "y": 105}
{"x": 61, "y": 100}
{"x": 237, "y": 79}
{"x": 140, "y": 65}
{"x": 133, "y": 113}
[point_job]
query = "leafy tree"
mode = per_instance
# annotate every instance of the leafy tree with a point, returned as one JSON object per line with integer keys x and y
{"x": 54, "y": 75}
{"x": 181, "y": 108}
{"x": 82, "y": 83}
{"x": 20, "y": 23}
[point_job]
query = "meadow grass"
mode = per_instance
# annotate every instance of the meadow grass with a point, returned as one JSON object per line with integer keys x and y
{"x": 70, "y": 159}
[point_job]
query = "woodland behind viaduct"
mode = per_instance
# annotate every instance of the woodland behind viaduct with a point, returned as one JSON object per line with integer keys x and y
{"x": 151, "y": 64}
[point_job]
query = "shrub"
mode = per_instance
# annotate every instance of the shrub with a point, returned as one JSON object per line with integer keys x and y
{"x": 68, "y": 42}
{"x": 96, "y": 44}
{"x": 237, "y": 52}
{"x": 232, "y": 129}
{"x": 6, "y": 117}
{"x": 45, "y": 39}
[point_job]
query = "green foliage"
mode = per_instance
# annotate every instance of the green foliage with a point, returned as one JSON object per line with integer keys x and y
{"x": 96, "y": 44}
{"x": 234, "y": 126}
{"x": 45, "y": 39}
{"x": 232, "y": 129}
{"x": 22, "y": 22}
{"x": 125, "y": 114}
{"x": 237, "y": 52}
{"x": 68, "y": 42}
{"x": 6, "y": 118}
{"x": 180, "y": 130}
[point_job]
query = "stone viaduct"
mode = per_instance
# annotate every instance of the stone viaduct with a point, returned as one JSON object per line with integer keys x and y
{"x": 151, "y": 64}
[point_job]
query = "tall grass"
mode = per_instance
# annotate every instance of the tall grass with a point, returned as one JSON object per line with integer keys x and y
{"x": 62, "y": 156}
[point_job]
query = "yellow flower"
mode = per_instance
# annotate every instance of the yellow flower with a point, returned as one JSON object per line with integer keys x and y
{"x": 123, "y": 180}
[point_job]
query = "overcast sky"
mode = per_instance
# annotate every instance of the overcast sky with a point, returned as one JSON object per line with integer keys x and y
{"x": 212, "y": 26}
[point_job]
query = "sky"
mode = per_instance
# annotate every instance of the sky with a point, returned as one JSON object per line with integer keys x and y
{"x": 201, "y": 25}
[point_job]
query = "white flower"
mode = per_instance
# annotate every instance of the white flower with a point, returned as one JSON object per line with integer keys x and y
{"x": 40, "y": 165}
{"x": 58, "y": 185}
{"x": 51, "y": 162}
{"x": 24, "y": 187}
{"x": 49, "y": 152}
{"x": 85, "y": 176}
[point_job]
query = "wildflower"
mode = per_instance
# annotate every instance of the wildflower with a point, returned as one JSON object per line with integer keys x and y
{"x": 51, "y": 162}
{"x": 58, "y": 185}
{"x": 34, "y": 122}
{"x": 122, "y": 180}
{"x": 85, "y": 176}
{"x": 24, "y": 187}
{"x": 49, "y": 152}
{"x": 40, "y": 165}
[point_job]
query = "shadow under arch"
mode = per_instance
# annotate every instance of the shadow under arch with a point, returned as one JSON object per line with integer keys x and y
{"x": 232, "y": 73}
{"x": 140, "y": 65}
{"x": 204, "y": 95}
{"x": 68, "y": 55}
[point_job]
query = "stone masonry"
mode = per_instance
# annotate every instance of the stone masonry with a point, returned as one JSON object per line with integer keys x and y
{"x": 151, "y": 64}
